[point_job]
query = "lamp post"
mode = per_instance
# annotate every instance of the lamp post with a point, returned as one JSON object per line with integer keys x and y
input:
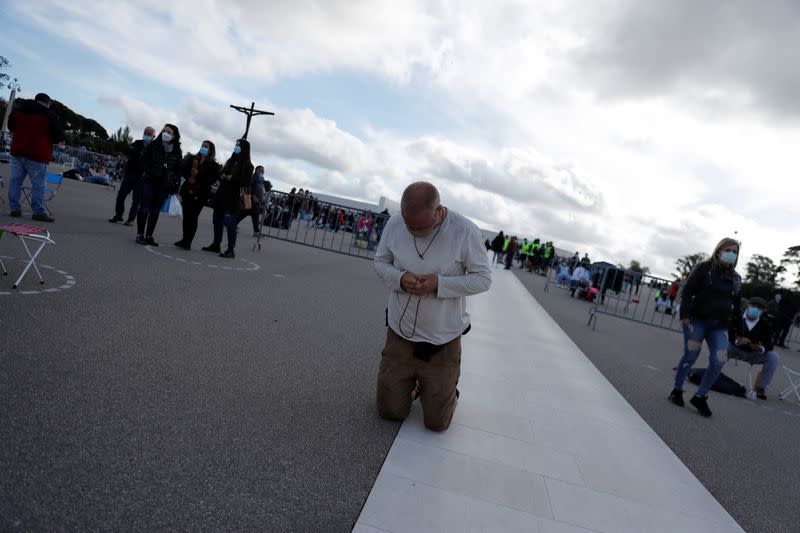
{"x": 15, "y": 87}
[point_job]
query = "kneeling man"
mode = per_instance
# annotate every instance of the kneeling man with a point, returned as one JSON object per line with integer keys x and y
{"x": 430, "y": 258}
{"x": 752, "y": 342}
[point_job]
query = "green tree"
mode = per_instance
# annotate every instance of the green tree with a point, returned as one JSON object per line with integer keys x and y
{"x": 122, "y": 135}
{"x": 635, "y": 266}
{"x": 791, "y": 259}
{"x": 686, "y": 264}
{"x": 761, "y": 270}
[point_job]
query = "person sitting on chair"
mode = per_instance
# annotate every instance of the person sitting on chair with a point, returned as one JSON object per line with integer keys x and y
{"x": 752, "y": 343}
{"x": 580, "y": 280}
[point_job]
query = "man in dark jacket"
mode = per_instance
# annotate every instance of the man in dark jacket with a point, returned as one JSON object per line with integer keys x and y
{"x": 497, "y": 247}
{"x": 133, "y": 178}
{"x": 751, "y": 341}
{"x": 35, "y": 129}
{"x": 786, "y": 310}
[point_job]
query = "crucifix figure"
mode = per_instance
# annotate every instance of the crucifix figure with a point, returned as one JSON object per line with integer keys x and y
{"x": 250, "y": 112}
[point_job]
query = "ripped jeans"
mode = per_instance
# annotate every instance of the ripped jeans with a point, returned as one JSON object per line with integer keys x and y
{"x": 715, "y": 333}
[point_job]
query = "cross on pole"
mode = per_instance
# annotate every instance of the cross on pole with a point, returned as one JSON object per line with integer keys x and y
{"x": 250, "y": 112}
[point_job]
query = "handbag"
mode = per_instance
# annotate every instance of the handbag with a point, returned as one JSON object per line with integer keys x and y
{"x": 245, "y": 202}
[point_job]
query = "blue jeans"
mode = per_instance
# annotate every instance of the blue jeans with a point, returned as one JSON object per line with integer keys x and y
{"x": 228, "y": 219}
{"x": 770, "y": 360}
{"x": 715, "y": 333}
{"x": 37, "y": 172}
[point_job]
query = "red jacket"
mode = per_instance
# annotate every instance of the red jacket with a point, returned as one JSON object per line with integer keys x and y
{"x": 35, "y": 129}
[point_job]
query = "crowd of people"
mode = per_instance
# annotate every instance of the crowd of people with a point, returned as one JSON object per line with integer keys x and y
{"x": 85, "y": 163}
{"x": 535, "y": 256}
{"x": 282, "y": 210}
{"x": 156, "y": 169}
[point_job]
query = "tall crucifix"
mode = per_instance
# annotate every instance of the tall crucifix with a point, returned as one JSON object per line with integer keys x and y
{"x": 250, "y": 112}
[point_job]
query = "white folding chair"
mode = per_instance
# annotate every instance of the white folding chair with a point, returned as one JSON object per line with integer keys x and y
{"x": 39, "y": 237}
{"x": 750, "y": 392}
{"x": 794, "y": 384}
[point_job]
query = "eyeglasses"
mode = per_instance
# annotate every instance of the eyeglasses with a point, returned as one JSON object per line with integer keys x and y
{"x": 426, "y": 228}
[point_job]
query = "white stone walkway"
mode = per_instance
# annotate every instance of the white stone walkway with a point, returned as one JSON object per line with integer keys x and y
{"x": 541, "y": 442}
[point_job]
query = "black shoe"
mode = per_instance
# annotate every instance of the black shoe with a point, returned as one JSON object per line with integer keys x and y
{"x": 151, "y": 241}
{"x": 701, "y": 404}
{"x": 128, "y": 223}
{"x": 115, "y": 219}
{"x": 676, "y": 397}
{"x": 761, "y": 394}
{"x": 211, "y": 248}
{"x": 140, "y": 239}
{"x": 44, "y": 217}
{"x": 15, "y": 214}
{"x": 228, "y": 254}
{"x": 183, "y": 245}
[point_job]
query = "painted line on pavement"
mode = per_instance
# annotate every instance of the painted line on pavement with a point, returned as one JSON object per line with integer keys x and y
{"x": 69, "y": 280}
{"x": 252, "y": 267}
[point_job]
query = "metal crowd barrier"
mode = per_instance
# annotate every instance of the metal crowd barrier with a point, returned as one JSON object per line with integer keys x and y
{"x": 77, "y": 158}
{"x": 634, "y": 296}
{"x": 555, "y": 279}
{"x": 328, "y": 226}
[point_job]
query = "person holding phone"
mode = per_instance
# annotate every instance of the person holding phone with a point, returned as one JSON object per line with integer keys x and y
{"x": 752, "y": 337}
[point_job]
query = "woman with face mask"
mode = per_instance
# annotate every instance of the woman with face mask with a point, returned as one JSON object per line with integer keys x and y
{"x": 235, "y": 174}
{"x": 711, "y": 298}
{"x": 257, "y": 197}
{"x": 161, "y": 161}
{"x": 200, "y": 171}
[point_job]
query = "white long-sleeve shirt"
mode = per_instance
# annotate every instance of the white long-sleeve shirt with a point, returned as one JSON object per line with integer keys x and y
{"x": 580, "y": 274}
{"x": 457, "y": 255}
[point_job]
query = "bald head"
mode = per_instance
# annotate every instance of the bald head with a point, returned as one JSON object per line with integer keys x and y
{"x": 421, "y": 208}
{"x": 418, "y": 197}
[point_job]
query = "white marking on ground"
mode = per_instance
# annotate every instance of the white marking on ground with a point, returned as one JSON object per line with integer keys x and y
{"x": 652, "y": 368}
{"x": 252, "y": 266}
{"x": 70, "y": 280}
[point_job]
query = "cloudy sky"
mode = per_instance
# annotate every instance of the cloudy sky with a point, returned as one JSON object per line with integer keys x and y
{"x": 629, "y": 129}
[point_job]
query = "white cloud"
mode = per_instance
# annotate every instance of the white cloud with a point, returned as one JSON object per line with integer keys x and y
{"x": 603, "y": 136}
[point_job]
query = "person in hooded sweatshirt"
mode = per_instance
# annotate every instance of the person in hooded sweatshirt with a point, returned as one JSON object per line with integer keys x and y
{"x": 235, "y": 175}
{"x": 161, "y": 162}
{"x": 711, "y": 298}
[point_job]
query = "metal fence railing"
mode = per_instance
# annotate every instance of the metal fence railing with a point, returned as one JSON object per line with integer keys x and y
{"x": 325, "y": 225}
{"x": 634, "y": 296}
{"x": 98, "y": 163}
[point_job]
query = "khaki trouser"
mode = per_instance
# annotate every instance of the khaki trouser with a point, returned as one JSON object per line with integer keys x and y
{"x": 400, "y": 371}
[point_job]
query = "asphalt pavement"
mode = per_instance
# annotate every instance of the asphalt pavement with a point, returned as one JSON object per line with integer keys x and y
{"x": 745, "y": 454}
{"x": 174, "y": 390}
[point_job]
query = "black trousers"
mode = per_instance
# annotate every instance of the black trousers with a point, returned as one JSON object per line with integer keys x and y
{"x": 191, "y": 213}
{"x": 153, "y": 198}
{"x": 129, "y": 185}
{"x": 782, "y": 328}
{"x": 255, "y": 215}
